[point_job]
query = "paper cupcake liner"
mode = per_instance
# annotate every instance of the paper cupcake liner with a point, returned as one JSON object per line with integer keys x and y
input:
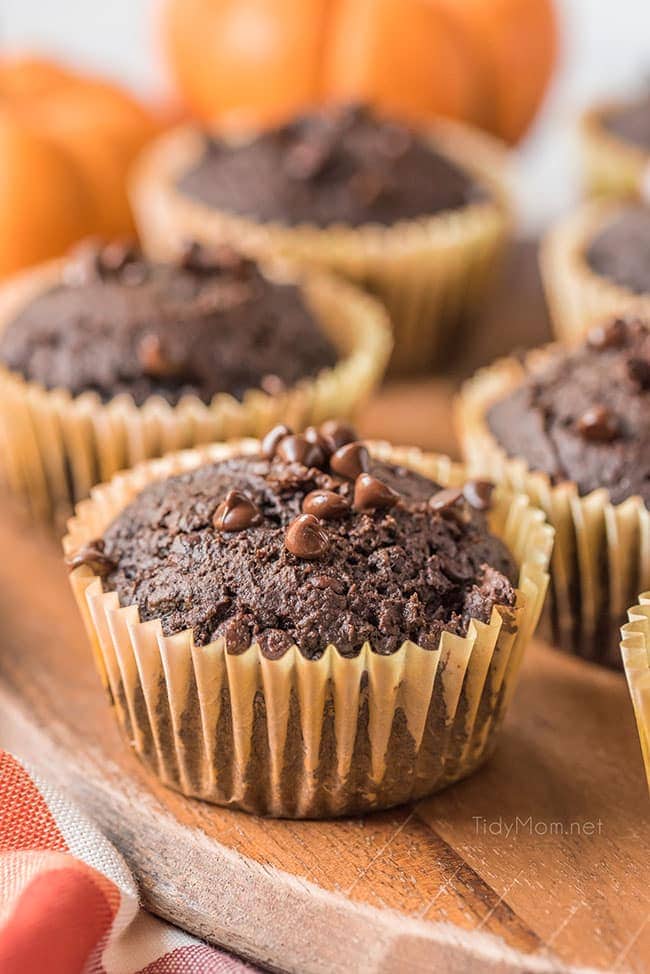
{"x": 429, "y": 273}
{"x": 577, "y": 296}
{"x": 308, "y": 738}
{"x": 611, "y": 167}
{"x": 56, "y": 446}
{"x": 635, "y": 652}
{"x": 601, "y": 557}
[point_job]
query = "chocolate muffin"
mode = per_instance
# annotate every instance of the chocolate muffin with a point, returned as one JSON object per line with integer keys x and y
{"x": 321, "y": 627}
{"x": 620, "y": 250}
{"x": 571, "y": 428}
{"x": 615, "y": 140}
{"x": 342, "y": 188}
{"x": 630, "y": 122}
{"x": 343, "y": 166}
{"x": 211, "y": 323}
{"x": 313, "y": 543}
{"x": 585, "y": 415}
{"x": 109, "y": 358}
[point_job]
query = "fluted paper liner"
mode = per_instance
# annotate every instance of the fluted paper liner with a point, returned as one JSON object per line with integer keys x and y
{"x": 430, "y": 273}
{"x": 635, "y": 652}
{"x": 601, "y": 556}
{"x": 56, "y": 446}
{"x": 308, "y": 738}
{"x": 577, "y": 296}
{"x": 611, "y": 166}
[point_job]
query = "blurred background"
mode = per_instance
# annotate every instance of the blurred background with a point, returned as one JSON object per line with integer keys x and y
{"x": 604, "y": 51}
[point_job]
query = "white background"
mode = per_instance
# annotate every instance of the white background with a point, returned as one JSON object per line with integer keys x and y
{"x": 606, "y": 50}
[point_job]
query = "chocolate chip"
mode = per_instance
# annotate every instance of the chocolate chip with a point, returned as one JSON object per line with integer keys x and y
{"x": 372, "y": 494}
{"x": 93, "y": 556}
{"x": 200, "y": 259}
{"x": 395, "y": 141}
{"x": 598, "y": 425}
{"x": 325, "y": 504}
{"x": 297, "y": 449}
{"x": 272, "y": 439}
{"x": 155, "y": 359}
{"x": 444, "y": 499}
{"x": 638, "y": 370}
{"x": 236, "y": 513}
{"x": 272, "y": 385}
{"x": 313, "y": 435}
{"x": 305, "y": 538}
{"x": 337, "y": 434}
{"x": 83, "y": 265}
{"x": 610, "y": 335}
{"x": 306, "y": 160}
{"x": 134, "y": 274}
{"x": 114, "y": 257}
{"x": 369, "y": 186}
{"x": 350, "y": 460}
{"x": 478, "y": 494}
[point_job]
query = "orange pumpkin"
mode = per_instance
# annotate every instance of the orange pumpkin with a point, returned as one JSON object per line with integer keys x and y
{"x": 259, "y": 61}
{"x": 68, "y": 142}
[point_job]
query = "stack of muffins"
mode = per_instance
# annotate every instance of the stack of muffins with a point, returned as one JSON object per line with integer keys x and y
{"x": 304, "y": 624}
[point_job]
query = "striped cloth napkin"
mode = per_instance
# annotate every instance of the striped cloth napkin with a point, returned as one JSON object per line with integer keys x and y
{"x": 68, "y": 902}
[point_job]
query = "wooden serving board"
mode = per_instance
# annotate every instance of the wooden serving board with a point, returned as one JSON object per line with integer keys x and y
{"x": 540, "y": 862}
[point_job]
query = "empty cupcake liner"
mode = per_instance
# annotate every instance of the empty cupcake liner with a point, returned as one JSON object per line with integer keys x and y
{"x": 577, "y": 296}
{"x": 430, "y": 273}
{"x": 308, "y": 738}
{"x": 635, "y": 652}
{"x": 56, "y": 446}
{"x": 601, "y": 557}
{"x": 611, "y": 167}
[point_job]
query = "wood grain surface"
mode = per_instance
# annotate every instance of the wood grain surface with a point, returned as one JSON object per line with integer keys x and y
{"x": 537, "y": 863}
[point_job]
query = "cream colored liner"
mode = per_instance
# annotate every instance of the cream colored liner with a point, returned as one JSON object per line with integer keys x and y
{"x": 55, "y": 446}
{"x": 611, "y": 167}
{"x": 635, "y": 651}
{"x": 430, "y": 273}
{"x": 601, "y": 557}
{"x": 577, "y": 296}
{"x": 308, "y": 738}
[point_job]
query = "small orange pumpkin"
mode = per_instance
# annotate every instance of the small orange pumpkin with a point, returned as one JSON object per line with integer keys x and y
{"x": 259, "y": 61}
{"x": 67, "y": 144}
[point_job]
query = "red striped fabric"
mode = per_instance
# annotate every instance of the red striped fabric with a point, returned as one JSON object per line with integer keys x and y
{"x": 68, "y": 904}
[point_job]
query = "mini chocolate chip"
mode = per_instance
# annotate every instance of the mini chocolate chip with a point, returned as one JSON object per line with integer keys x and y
{"x": 372, "y": 494}
{"x": 325, "y": 582}
{"x": 93, "y": 556}
{"x": 306, "y": 160}
{"x": 638, "y": 370}
{"x": 478, "y": 494}
{"x": 200, "y": 259}
{"x": 155, "y": 359}
{"x": 612, "y": 334}
{"x": 338, "y": 434}
{"x": 134, "y": 274}
{"x": 350, "y": 460}
{"x": 297, "y": 449}
{"x": 305, "y": 538}
{"x": 114, "y": 257}
{"x": 598, "y": 425}
{"x": 273, "y": 385}
{"x": 325, "y": 504}
{"x": 236, "y": 513}
{"x": 272, "y": 438}
{"x": 83, "y": 264}
{"x": 444, "y": 499}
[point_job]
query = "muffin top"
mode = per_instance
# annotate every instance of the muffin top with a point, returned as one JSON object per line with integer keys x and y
{"x": 631, "y": 122}
{"x": 211, "y": 323}
{"x": 585, "y": 415}
{"x": 311, "y": 542}
{"x": 621, "y": 250}
{"x": 343, "y": 166}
